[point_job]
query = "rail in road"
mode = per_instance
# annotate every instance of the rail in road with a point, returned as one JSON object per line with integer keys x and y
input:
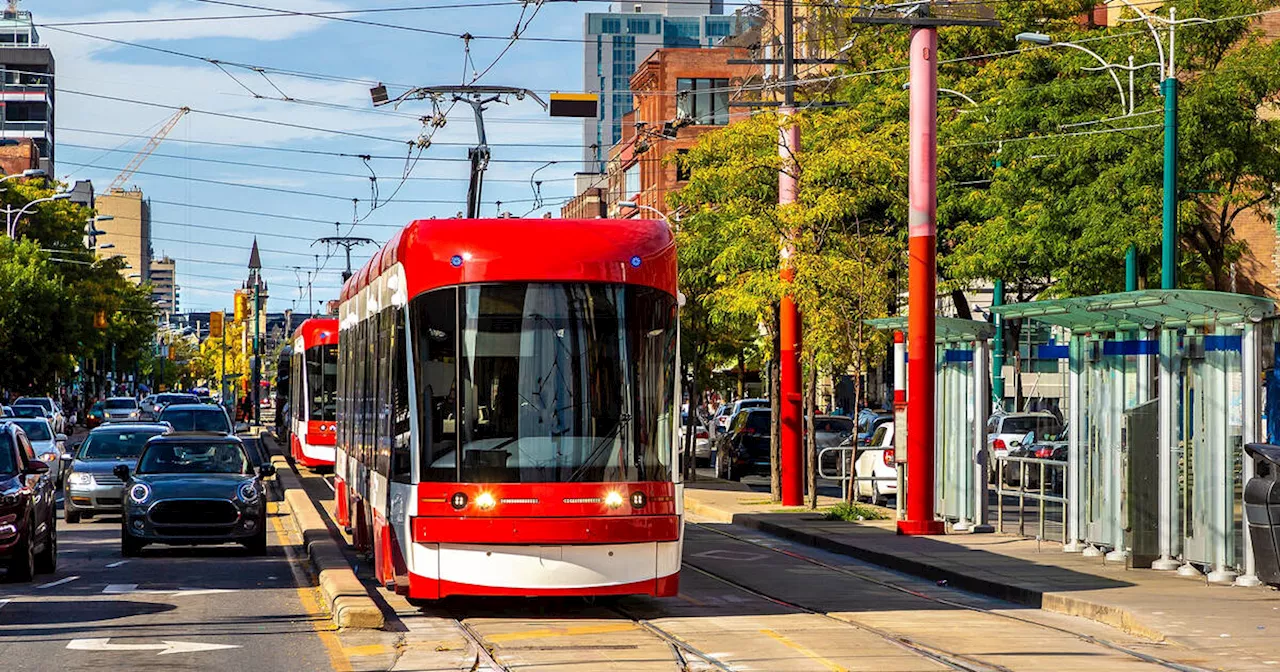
{"x": 749, "y": 601}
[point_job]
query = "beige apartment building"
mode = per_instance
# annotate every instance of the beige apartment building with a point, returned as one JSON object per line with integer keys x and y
{"x": 129, "y": 233}
{"x": 164, "y": 285}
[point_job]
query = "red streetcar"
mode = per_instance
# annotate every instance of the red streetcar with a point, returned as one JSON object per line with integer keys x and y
{"x": 313, "y": 397}
{"x": 508, "y": 409}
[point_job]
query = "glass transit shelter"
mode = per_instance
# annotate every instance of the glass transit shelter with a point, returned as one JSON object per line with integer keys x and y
{"x": 1165, "y": 388}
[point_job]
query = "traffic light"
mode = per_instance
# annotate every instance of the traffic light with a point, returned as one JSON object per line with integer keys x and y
{"x": 100, "y": 320}
{"x": 242, "y": 306}
{"x": 215, "y": 324}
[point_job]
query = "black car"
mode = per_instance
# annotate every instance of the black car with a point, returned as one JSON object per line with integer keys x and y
{"x": 28, "y": 508}
{"x": 743, "y": 449}
{"x": 194, "y": 489}
{"x": 196, "y": 418}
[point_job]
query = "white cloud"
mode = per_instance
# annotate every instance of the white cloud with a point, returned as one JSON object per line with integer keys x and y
{"x": 267, "y": 29}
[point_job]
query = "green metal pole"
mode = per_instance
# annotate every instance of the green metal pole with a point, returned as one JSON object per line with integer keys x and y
{"x": 257, "y": 365}
{"x": 1169, "y": 240}
{"x": 1131, "y": 269}
{"x": 997, "y": 351}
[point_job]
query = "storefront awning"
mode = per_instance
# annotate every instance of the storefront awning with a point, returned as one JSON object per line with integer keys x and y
{"x": 1143, "y": 309}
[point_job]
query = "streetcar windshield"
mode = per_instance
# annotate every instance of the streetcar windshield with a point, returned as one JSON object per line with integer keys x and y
{"x": 322, "y": 381}
{"x": 560, "y": 382}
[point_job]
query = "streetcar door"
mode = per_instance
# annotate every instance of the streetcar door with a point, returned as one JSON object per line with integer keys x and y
{"x": 400, "y": 489}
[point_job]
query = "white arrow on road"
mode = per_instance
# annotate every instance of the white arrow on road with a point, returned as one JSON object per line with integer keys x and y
{"x": 165, "y": 647}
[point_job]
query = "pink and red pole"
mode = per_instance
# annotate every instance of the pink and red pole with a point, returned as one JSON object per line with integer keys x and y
{"x": 922, "y": 284}
{"x": 791, "y": 450}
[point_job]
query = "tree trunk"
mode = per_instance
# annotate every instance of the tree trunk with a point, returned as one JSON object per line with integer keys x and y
{"x": 811, "y": 444}
{"x": 857, "y": 406}
{"x": 691, "y": 430}
{"x": 961, "y": 304}
{"x": 775, "y": 391}
{"x": 742, "y": 374}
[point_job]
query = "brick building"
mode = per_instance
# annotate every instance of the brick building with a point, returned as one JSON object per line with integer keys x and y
{"x": 642, "y": 166}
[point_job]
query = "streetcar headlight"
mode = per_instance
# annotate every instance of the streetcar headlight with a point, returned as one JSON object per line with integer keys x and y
{"x": 459, "y": 500}
{"x": 613, "y": 500}
{"x": 638, "y": 500}
{"x": 139, "y": 493}
{"x": 485, "y": 501}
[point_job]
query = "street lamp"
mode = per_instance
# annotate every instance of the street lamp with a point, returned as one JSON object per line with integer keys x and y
{"x": 28, "y": 173}
{"x": 1043, "y": 40}
{"x": 632, "y": 205}
{"x": 11, "y": 218}
{"x": 107, "y": 246}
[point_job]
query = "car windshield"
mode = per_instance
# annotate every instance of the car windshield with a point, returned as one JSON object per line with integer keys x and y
{"x": 117, "y": 404}
{"x": 759, "y": 422}
{"x": 97, "y": 406}
{"x": 322, "y": 382}
{"x": 116, "y": 445}
{"x": 559, "y": 382}
{"x": 201, "y": 457}
{"x": 46, "y": 404}
{"x": 833, "y": 425}
{"x": 1041, "y": 425}
{"x": 196, "y": 420}
{"x": 37, "y": 430}
{"x": 7, "y": 463}
{"x": 877, "y": 439}
{"x": 28, "y": 412}
{"x": 753, "y": 403}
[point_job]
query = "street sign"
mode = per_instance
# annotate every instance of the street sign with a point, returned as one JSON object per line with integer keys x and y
{"x": 574, "y": 105}
{"x": 215, "y": 324}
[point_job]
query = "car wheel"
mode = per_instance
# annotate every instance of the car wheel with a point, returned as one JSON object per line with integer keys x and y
{"x": 46, "y": 561}
{"x": 258, "y": 544}
{"x": 22, "y": 566}
{"x": 130, "y": 546}
{"x": 69, "y": 512}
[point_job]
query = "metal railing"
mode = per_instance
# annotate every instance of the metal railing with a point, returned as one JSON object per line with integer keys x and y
{"x": 846, "y": 474}
{"x": 1051, "y": 473}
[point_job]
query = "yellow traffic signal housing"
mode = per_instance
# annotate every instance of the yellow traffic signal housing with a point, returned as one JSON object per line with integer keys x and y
{"x": 215, "y": 324}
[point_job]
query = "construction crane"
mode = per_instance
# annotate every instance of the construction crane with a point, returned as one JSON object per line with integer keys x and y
{"x": 152, "y": 143}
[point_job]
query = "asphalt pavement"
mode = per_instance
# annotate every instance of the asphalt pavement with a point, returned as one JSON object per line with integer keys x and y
{"x": 202, "y": 608}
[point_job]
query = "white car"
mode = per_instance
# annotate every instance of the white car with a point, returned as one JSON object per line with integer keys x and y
{"x": 117, "y": 409}
{"x": 52, "y": 410}
{"x": 877, "y": 461}
{"x": 701, "y": 438}
{"x": 48, "y": 445}
{"x": 1010, "y": 430}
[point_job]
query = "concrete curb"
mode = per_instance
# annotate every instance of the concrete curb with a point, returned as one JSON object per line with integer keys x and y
{"x": 1063, "y": 603}
{"x": 346, "y": 596}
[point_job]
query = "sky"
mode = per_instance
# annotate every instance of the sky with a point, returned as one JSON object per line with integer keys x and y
{"x": 194, "y": 188}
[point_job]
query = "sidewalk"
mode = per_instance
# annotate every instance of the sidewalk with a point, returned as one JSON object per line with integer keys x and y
{"x": 1230, "y": 627}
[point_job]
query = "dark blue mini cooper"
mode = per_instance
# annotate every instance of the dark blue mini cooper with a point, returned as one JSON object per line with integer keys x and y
{"x": 190, "y": 489}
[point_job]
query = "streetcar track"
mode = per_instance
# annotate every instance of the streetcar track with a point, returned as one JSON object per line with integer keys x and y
{"x": 1145, "y": 657}
{"x": 484, "y": 654}
{"x": 678, "y": 646}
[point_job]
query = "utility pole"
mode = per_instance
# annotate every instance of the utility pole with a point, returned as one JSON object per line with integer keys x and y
{"x": 344, "y": 242}
{"x": 790, "y": 429}
{"x": 477, "y": 97}
{"x": 922, "y": 269}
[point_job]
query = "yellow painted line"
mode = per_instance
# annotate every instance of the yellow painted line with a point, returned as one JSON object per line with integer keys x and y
{"x": 366, "y": 650}
{"x": 691, "y": 600}
{"x": 804, "y": 650}
{"x": 312, "y": 603}
{"x": 564, "y": 632}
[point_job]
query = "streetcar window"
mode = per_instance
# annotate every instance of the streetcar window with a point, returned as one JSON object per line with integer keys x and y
{"x": 560, "y": 382}
{"x": 401, "y": 462}
{"x": 322, "y": 382}
{"x": 435, "y": 351}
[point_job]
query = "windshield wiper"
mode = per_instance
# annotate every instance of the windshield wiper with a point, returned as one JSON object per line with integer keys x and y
{"x": 596, "y": 452}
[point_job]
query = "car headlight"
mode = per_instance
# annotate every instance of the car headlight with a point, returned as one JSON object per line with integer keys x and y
{"x": 80, "y": 479}
{"x": 247, "y": 492}
{"x": 139, "y": 493}
{"x": 133, "y": 414}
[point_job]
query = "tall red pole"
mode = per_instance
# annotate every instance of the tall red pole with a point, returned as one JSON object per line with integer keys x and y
{"x": 922, "y": 284}
{"x": 791, "y": 452}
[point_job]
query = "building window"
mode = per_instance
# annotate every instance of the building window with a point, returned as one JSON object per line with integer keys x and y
{"x": 682, "y": 167}
{"x": 631, "y": 181}
{"x": 606, "y": 25}
{"x": 638, "y": 26}
{"x": 681, "y": 32}
{"x": 719, "y": 27}
{"x": 704, "y": 101}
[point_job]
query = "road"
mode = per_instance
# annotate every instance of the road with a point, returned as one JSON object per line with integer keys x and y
{"x": 213, "y": 608}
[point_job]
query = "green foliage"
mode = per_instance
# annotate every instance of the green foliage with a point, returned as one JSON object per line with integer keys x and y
{"x": 853, "y": 512}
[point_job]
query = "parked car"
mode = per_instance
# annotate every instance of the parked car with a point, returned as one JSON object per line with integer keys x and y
{"x": 743, "y": 449}
{"x": 92, "y": 488}
{"x": 829, "y": 431}
{"x": 877, "y": 461}
{"x": 152, "y": 405}
{"x": 720, "y": 423}
{"x": 49, "y": 447}
{"x": 192, "y": 489}
{"x": 7, "y": 411}
{"x": 120, "y": 408}
{"x": 197, "y": 418}
{"x": 1010, "y": 430}
{"x": 95, "y": 415}
{"x": 868, "y": 422}
{"x": 54, "y": 413}
{"x": 1051, "y": 447}
{"x": 701, "y": 438}
{"x": 28, "y": 508}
